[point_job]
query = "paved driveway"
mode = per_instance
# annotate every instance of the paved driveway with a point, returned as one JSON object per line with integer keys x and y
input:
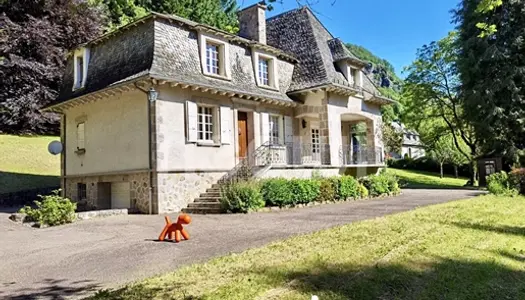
{"x": 77, "y": 259}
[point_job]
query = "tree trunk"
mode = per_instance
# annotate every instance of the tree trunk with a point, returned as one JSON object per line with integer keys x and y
{"x": 456, "y": 171}
{"x": 472, "y": 172}
{"x": 441, "y": 170}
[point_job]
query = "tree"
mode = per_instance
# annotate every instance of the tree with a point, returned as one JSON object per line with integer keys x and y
{"x": 432, "y": 99}
{"x": 218, "y": 13}
{"x": 441, "y": 151}
{"x": 34, "y": 40}
{"x": 491, "y": 70}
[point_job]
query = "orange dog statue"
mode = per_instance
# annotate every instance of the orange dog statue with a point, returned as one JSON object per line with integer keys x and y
{"x": 174, "y": 232}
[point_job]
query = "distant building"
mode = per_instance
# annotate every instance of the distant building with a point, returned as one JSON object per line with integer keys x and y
{"x": 412, "y": 146}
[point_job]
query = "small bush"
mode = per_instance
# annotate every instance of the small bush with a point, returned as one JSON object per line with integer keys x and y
{"x": 304, "y": 190}
{"x": 327, "y": 190}
{"x": 517, "y": 179}
{"x": 379, "y": 185}
{"x": 500, "y": 184}
{"x": 348, "y": 188}
{"x": 241, "y": 197}
{"x": 363, "y": 191}
{"x": 52, "y": 210}
{"x": 276, "y": 192}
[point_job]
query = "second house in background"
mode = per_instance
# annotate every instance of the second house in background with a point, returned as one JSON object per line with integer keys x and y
{"x": 158, "y": 111}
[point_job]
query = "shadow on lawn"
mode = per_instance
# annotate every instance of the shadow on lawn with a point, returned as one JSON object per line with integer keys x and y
{"x": 13, "y": 182}
{"x": 55, "y": 289}
{"x": 444, "y": 279}
{"x": 514, "y": 230}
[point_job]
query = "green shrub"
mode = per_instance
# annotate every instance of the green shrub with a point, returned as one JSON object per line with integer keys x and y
{"x": 500, "y": 184}
{"x": 327, "y": 190}
{"x": 304, "y": 190}
{"x": 393, "y": 182}
{"x": 517, "y": 180}
{"x": 241, "y": 197}
{"x": 276, "y": 192}
{"x": 379, "y": 185}
{"x": 348, "y": 188}
{"x": 52, "y": 210}
{"x": 363, "y": 191}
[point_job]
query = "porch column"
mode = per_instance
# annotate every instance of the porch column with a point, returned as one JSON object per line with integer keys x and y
{"x": 330, "y": 132}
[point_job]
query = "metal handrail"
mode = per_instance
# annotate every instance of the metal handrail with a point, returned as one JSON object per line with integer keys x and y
{"x": 356, "y": 155}
{"x": 244, "y": 168}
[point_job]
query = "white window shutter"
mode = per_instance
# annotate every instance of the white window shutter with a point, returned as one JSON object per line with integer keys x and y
{"x": 80, "y": 136}
{"x": 265, "y": 127}
{"x": 191, "y": 121}
{"x": 288, "y": 129}
{"x": 226, "y": 124}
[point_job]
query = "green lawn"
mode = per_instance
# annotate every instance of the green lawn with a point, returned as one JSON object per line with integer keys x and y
{"x": 26, "y": 164}
{"x": 470, "y": 249}
{"x": 420, "y": 179}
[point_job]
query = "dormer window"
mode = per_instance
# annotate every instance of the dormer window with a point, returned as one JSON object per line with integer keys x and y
{"x": 265, "y": 70}
{"x": 214, "y": 56}
{"x": 264, "y": 76}
{"x": 80, "y": 68}
{"x": 353, "y": 75}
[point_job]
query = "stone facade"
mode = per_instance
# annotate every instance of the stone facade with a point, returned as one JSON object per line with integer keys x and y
{"x": 177, "y": 190}
{"x": 139, "y": 189}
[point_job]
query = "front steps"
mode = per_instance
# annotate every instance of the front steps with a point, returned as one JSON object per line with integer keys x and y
{"x": 207, "y": 203}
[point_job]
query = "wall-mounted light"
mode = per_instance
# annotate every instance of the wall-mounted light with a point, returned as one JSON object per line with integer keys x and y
{"x": 303, "y": 123}
{"x": 152, "y": 95}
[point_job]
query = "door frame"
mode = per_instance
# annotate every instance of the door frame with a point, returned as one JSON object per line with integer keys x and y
{"x": 252, "y": 134}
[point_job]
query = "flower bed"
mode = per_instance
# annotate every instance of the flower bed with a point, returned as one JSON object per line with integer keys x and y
{"x": 249, "y": 196}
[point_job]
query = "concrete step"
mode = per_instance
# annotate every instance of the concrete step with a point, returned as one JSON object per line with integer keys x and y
{"x": 204, "y": 211}
{"x": 207, "y": 200}
{"x": 204, "y": 205}
{"x": 216, "y": 186}
{"x": 212, "y": 190}
{"x": 213, "y": 194}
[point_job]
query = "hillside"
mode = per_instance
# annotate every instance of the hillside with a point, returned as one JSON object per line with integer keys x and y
{"x": 380, "y": 70}
{"x": 26, "y": 164}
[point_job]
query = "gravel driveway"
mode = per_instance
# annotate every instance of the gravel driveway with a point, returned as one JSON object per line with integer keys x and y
{"x": 76, "y": 259}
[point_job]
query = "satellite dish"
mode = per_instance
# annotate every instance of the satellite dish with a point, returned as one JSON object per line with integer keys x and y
{"x": 55, "y": 147}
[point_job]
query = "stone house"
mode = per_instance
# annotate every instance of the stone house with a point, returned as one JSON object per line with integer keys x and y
{"x": 412, "y": 146}
{"x": 157, "y": 112}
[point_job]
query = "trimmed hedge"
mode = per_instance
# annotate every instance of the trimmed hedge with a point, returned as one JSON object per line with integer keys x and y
{"x": 282, "y": 192}
{"x": 427, "y": 164}
{"x": 241, "y": 197}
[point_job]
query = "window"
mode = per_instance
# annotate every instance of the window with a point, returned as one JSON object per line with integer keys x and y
{"x": 80, "y": 67}
{"x": 205, "y": 123}
{"x": 80, "y": 71}
{"x": 315, "y": 141}
{"x": 275, "y": 130}
{"x": 81, "y": 191}
{"x": 212, "y": 59}
{"x": 264, "y": 77}
{"x": 81, "y": 136}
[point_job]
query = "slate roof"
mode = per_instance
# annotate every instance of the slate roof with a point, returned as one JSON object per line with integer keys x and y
{"x": 408, "y": 132}
{"x": 300, "y": 33}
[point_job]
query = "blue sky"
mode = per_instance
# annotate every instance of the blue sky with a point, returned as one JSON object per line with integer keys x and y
{"x": 391, "y": 29}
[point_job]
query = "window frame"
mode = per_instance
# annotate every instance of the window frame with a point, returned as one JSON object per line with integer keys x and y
{"x": 315, "y": 137}
{"x": 82, "y": 55}
{"x": 264, "y": 80}
{"x": 214, "y": 124}
{"x": 81, "y": 147}
{"x": 277, "y": 140}
{"x": 81, "y": 191}
{"x": 223, "y": 56}
{"x": 273, "y": 76}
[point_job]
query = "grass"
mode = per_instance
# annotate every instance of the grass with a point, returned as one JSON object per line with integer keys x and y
{"x": 26, "y": 164}
{"x": 470, "y": 249}
{"x": 420, "y": 179}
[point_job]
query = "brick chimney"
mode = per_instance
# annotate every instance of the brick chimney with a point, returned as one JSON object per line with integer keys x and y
{"x": 252, "y": 22}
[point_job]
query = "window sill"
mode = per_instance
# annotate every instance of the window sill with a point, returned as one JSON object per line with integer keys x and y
{"x": 208, "y": 144}
{"x": 217, "y": 76}
{"x": 80, "y": 151}
{"x": 268, "y": 87}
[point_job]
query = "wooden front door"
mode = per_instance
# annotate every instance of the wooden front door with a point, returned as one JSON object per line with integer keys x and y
{"x": 242, "y": 122}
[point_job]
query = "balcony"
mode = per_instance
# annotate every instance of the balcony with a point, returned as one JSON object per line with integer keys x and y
{"x": 351, "y": 155}
{"x": 305, "y": 154}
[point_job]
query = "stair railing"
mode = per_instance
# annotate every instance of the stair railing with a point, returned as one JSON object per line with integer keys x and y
{"x": 244, "y": 170}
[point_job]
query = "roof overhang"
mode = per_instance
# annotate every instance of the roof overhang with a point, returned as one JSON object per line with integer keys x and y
{"x": 153, "y": 80}
{"x": 380, "y": 100}
{"x": 330, "y": 87}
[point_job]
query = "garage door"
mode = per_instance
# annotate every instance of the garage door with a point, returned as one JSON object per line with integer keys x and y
{"x": 120, "y": 195}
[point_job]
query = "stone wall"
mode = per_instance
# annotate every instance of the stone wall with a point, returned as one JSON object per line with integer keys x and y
{"x": 177, "y": 190}
{"x": 139, "y": 189}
